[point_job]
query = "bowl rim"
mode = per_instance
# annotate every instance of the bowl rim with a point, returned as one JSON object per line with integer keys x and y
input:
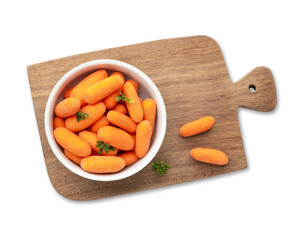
{"x": 48, "y": 122}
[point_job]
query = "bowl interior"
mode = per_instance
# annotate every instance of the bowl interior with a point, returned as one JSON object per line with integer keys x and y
{"x": 147, "y": 89}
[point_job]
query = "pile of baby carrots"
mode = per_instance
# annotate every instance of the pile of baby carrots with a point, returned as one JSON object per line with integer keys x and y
{"x": 102, "y": 124}
{"x": 206, "y": 155}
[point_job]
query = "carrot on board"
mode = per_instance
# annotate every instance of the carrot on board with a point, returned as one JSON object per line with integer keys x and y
{"x": 209, "y": 156}
{"x": 122, "y": 121}
{"x": 95, "y": 144}
{"x": 85, "y": 117}
{"x": 58, "y": 122}
{"x": 76, "y": 159}
{"x": 102, "y": 89}
{"x": 135, "y": 84}
{"x": 102, "y": 122}
{"x": 102, "y": 164}
{"x": 68, "y": 92}
{"x": 67, "y": 107}
{"x": 116, "y": 137}
{"x": 71, "y": 142}
{"x": 80, "y": 88}
{"x": 143, "y": 136}
{"x": 120, "y": 108}
{"x": 129, "y": 158}
{"x": 197, "y": 126}
{"x": 134, "y": 106}
{"x": 149, "y": 109}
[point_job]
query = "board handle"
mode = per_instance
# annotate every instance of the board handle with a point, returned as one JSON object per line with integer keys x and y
{"x": 256, "y": 90}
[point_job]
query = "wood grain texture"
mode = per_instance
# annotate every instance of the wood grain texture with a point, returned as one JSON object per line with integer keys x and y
{"x": 192, "y": 77}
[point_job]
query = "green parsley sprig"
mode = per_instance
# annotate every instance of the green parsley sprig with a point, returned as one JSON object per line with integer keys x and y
{"x": 122, "y": 97}
{"x": 81, "y": 116}
{"x": 104, "y": 146}
{"x": 160, "y": 167}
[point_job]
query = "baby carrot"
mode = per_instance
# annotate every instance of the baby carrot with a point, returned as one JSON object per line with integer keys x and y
{"x": 58, "y": 122}
{"x": 71, "y": 142}
{"x": 134, "y": 108}
{"x": 102, "y": 89}
{"x": 129, "y": 158}
{"x": 102, "y": 164}
{"x": 90, "y": 113}
{"x": 134, "y": 138}
{"x": 67, "y": 92}
{"x": 197, "y": 126}
{"x": 116, "y": 137}
{"x": 120, "y": 108}
{"x": 143, "y": 136}
{"x": 103, "y": 121}
{"x": 209, "y": 156}
{"x": 118, "y": 73}
{"x": 149, "y": 109}
{"x": 72, "y": 157}
{"x": 122, "y": 121}
{"x": 92, "y": 139}
{"x": 111, "y": 101}
{"x": 135, "y": 84}
{"x": 67, "y": 107}
{"x": 79, "y": 89}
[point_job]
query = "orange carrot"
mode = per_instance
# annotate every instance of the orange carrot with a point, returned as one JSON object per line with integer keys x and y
{"x": 92, "y": 139}
{"x": 135, "y": 84}
{"x": 79, "y": 89}
{"x": 71, "y": 142}
{"x": 122, "y": 121}
{"x": 209, "y": 156}
{"x": 134, "y": 108}
{"x": 67, "y": 107}
{"x": 111, "y": 101}
{"x": 58, "y": 122}
{"x": 149, "y": 109}
{"x": 73, "y": 157}
{"x": 116, "y": 137}
{"x": 103, "y": 121}
{"x": 197, "y": 126}
{"x": 143, "y": 136}
{"x": 134, "y": 138}
{"x": 102, "y": 164}
{"x": 67, "y": 92}
{"x": 118, "y": 73}
{"x": 141, "y": 101}
{"x": 129, "y": 158}
{"x": 120, "y": 108}
{"x": 102, "y": 89}
{"x": 93, "y": 113}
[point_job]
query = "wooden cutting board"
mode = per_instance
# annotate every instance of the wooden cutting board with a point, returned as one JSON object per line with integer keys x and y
{"x": 193, "y": 79}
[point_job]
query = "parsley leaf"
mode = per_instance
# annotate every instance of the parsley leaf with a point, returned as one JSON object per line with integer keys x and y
{"x": 81, "y": 116}
{"x": 122, "y": 97}
{"x": 160, "y": 167}
{"x": 104, "y": 146}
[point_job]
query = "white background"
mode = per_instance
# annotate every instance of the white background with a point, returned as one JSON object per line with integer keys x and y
{"x": 265, "y": 201}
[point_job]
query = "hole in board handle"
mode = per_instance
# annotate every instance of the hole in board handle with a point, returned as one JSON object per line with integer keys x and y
{"x": 252, "y": 88}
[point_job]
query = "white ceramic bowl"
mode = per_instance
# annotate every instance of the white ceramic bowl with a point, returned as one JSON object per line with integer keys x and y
{"x": 147, "y": 90}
